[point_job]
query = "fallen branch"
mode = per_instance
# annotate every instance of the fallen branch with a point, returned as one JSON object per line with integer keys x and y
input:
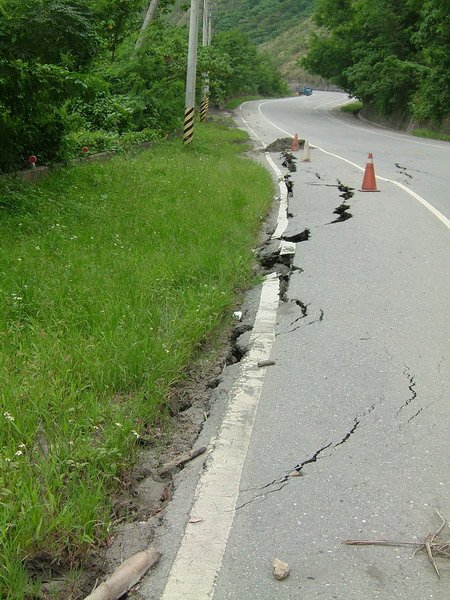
{"x": 432, "y": 544}
{"x": 182, "y": 459}
{"x": 125, "y": 576}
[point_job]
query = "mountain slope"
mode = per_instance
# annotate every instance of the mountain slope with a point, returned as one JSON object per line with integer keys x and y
{"x": 287, "y": 49}
{"x": 262, "y": 20}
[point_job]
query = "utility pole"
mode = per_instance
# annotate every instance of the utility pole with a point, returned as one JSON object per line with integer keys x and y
{"x": 189, "y": 113}
{"x": 149, "y": 16}
{"x": 206, "y": 41}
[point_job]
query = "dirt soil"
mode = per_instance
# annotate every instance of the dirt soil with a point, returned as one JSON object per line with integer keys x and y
{"x": 282, "y": 144}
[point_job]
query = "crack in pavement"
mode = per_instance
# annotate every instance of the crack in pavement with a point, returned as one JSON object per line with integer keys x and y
{"x": 284, "y": 480}
{"x": 289, "y": 185}
{"x": 417, "y": 413}
{"x": 263, "y": 495}
{"x": 313, "y": 458}
{"x": 402, "y": 170}
{"x": 304, "y": 309}
{"x": 302, "y": 236}
{"x": 411, "y": 387}
{"x": 319, "y": 320}
{"x": 288, "y": 161}
{"x": 349, "y": 433}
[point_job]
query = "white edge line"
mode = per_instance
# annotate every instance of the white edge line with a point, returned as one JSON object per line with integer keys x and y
{"x": 197, "y": 563}
{"x": 282, "y": 220}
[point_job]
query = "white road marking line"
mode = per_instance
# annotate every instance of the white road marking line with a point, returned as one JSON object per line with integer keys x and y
{"x": 282, "y": 220}
{"x": 199, "y": 557}
{"x": 252, "y": 131}
{"x": 416, "y": 196}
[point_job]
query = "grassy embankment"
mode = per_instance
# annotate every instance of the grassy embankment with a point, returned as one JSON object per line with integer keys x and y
{"x": 112, "y": 276}
{"x": 235, "y": 102}
{"x": 352, "y": 107}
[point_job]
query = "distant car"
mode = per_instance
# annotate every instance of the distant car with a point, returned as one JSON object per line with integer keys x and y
{"x": 305, "y": 91}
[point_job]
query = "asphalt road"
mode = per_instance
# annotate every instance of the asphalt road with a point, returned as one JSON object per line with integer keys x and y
{"x": 357, "y": 397}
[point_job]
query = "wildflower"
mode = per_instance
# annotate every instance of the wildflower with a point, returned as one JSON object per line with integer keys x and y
{"x": 96, "y": 427}
{"x": 18, "y": 453}
{"x": 7, "y": 460}
{"x": 8, "y": 417}
{"x": 22, "y": 446}
{"x": 71, "y": 442}
{"x": 135, "y": 433}
{"x": 118, "y": 424}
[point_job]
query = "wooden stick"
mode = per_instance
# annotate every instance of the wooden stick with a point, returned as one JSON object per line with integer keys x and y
{"x": 125, "y": 576}
{"x": 183, "y": 459}
{"x": 428, "y": 541}
{"x": 380, "y": 543}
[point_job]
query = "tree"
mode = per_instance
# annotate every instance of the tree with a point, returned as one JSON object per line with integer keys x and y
{"x": 119, "y": 18}
{"x": 393, "y": 56}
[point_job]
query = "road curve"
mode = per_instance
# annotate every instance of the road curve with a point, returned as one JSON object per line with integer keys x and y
{"x": 420, "y": 164}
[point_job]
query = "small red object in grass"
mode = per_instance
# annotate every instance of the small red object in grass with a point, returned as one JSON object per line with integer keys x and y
{"x": 85, "y": 149}
{"x": 32, "y": 160}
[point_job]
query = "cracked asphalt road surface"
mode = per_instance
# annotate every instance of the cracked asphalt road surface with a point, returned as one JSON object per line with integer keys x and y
{"x": 356, "y": 402}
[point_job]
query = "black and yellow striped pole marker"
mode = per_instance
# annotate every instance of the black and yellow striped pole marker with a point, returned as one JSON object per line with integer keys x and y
{"x": 191, "y": 74}
{"x": 204, "y": 106}
{"x": 188, "y": 130}
{"x": 206, "y": 41}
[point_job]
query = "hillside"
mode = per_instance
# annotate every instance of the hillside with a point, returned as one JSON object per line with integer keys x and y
{"x": 279, "y": 27}
{"x": 262, "y": 20}
{"x": 287, "y": 48}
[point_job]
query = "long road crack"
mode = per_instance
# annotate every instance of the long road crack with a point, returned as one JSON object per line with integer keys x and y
{"x": 297, "y": 470}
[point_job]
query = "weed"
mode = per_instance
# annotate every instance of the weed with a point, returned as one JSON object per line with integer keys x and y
{"x": 428, "y": 133}
{"x": 353, "y": 107}
{"x": 235, "y": 102}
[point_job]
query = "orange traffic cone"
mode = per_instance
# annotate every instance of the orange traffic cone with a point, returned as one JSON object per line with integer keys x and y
{"x": 369, "y": 183}
{"x": 295, "y": 146}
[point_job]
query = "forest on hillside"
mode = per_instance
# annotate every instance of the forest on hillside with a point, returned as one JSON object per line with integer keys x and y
{"x": 71, "y": 77}
{"x": 261, "y": 20}
{"x": 392, "y": 55}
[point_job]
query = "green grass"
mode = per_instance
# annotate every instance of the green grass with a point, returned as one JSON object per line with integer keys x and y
{"x": 352, "y": 107}
{"x": 235, "y": 102}
{"x": 434, "y": 135}
{"x": 112, "y": 276}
